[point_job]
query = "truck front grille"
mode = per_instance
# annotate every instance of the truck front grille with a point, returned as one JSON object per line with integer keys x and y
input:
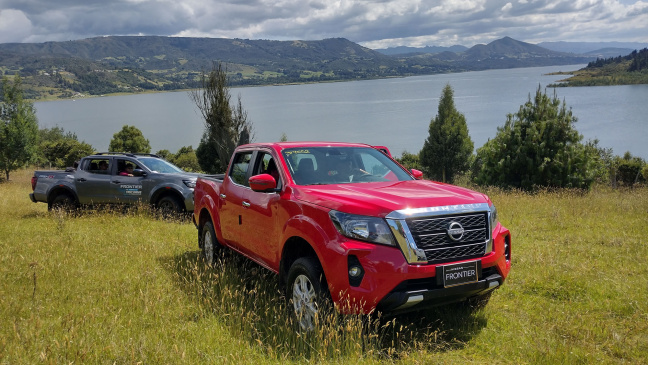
{"x": 431, "y": 234}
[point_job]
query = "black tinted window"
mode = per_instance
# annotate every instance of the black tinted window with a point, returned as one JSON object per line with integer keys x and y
{"x": 240, "y": 166}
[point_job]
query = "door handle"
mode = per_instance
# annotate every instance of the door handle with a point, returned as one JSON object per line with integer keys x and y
{"x": 81, "y": 179}
{"x": 246, "y": 204}
{"x": 222, "y": 196}
{"x": 116, "y": 182}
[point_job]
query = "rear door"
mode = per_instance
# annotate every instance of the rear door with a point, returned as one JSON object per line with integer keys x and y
{"x": 92, "y": 180}
{"x": 234, "y": 197}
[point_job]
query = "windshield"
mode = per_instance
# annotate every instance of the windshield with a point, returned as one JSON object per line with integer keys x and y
{"x": 341, "y": 165}
{"x": 159, "y": 165}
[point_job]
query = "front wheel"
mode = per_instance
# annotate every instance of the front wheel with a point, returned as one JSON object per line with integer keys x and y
{"x": 169, "y": 205}
{"x": 308, "y": 292}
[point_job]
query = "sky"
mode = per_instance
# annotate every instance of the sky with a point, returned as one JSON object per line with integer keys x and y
{"x": 372, "y": 23}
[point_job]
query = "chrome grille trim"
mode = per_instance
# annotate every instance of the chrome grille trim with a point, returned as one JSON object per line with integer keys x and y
{"x": 422, "y": 233}
{"x": 434, "y": 211}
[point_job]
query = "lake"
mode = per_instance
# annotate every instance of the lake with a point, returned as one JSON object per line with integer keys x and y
{"x": 392, "y": 112}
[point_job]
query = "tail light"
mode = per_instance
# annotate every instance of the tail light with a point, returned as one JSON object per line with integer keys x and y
{"x": 34, "y": 180}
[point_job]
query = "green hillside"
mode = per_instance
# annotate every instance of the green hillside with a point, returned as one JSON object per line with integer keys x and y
{"x": 107, "y": 65}
{"x": 622, "y": 70}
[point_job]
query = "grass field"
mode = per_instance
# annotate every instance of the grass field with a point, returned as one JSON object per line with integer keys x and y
{"x": 127, "y": 287}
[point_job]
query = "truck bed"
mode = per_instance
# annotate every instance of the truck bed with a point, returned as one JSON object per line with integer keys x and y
{"x": 215, "y": 177}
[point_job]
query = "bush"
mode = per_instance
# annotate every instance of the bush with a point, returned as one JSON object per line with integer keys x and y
{"x": 537, "y": 147}
{"x": 630, "y": 170}
{"x": 410, "y": 160}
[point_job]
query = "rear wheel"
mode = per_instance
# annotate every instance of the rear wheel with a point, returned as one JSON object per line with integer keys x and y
{"x": 63, "y": 202}
{"x": 208, "y": 243}
{"x": 308, "y": 292}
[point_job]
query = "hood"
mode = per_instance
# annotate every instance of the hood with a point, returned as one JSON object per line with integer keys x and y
{"x": 381, "y": 198}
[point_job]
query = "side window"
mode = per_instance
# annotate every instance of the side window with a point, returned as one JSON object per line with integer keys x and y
{"x": 97, "y": 166}
{"x": 267, "y": 165}
{"x": 240, "y": 164}
{"x": 126, "y": 167}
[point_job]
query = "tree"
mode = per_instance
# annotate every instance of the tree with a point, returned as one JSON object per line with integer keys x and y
{"x": 165, "y": 154}
{"x": 61, "y": 149}
{"x": 448, "y": 148}
{"x": 207, "y": 155}
{"x": 18, "y": 127}
{"x": 129, "y": 139}
{"x": 186, "y": 159}
{"x": 410, "y": 160}
{"x": 226, "y": 127}
{"x": 537, "y": 147}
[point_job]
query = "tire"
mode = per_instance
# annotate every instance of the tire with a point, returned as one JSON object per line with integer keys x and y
{"x": 307, "y": 291}
{"x": 62, "y": 201}
{"x": 169, "y": 205}
{"x": 208, "y": 243}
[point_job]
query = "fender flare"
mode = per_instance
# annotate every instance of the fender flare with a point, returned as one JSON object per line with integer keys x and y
{"x": 159, "y": 191}
{"x": 209, "y": 212}
{"x": 306, "y": 229}
{"x": 57, "y": 189}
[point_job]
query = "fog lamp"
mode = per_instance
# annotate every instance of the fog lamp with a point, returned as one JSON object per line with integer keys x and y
{"x": 355, "y": 271}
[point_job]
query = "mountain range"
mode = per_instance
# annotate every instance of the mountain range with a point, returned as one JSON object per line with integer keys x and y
{"x": 586, "y": 49}
{"x": 125, "y": 64}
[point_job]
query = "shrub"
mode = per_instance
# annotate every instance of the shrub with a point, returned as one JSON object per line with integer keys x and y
{"x": 537, "y": 147}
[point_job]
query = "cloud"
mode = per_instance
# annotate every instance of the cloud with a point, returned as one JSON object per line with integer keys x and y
{"x": 14, "y": 26}
{"x": 374, "y": 23}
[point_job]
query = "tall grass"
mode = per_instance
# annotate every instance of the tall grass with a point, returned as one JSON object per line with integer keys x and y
{"x": 108, "y": 286}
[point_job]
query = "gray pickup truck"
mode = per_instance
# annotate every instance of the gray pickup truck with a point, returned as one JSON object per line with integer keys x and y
{"x": 116, "y": 178}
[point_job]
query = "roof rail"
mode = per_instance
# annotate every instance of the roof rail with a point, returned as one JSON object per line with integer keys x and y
{"x": 129, "y": 154}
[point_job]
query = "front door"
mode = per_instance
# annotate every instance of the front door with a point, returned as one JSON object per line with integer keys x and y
{"x": 126, "y": 187}
{"x": 261, "y": 231}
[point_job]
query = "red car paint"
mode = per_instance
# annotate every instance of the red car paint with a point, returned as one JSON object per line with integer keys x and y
{"x": 274, "y": 226}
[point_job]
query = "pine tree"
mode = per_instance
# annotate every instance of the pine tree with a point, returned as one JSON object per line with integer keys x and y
{"x": 537, "y": 147}
{"x": 448, "y": 148}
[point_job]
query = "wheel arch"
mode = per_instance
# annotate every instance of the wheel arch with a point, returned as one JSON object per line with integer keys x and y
{"x": 162, "y": 192}
{"x": 294, "y": 248}
{"x": 61, "y": 189}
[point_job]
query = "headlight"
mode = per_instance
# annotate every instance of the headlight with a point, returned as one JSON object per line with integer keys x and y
{"x": 190, "y": 183}
{"x": 493, "y": 216}
{"x": 362, "y": 228}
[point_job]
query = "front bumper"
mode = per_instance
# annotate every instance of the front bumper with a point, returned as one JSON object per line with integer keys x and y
{"x": 413, "y": 295}
{"x": 189, "y": 201}
{"x": 391, "y": 285}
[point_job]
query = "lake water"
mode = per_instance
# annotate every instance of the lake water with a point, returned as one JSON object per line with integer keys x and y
{"x": 391, "y": 112}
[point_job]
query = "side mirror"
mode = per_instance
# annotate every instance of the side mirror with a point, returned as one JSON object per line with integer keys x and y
{"x": 263, "y": 183}
{"x": 139, "y": 172}
{"x": 418, "y": 175}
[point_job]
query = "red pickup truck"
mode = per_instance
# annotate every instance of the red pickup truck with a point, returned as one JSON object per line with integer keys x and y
{"x": 345, "y": 223}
